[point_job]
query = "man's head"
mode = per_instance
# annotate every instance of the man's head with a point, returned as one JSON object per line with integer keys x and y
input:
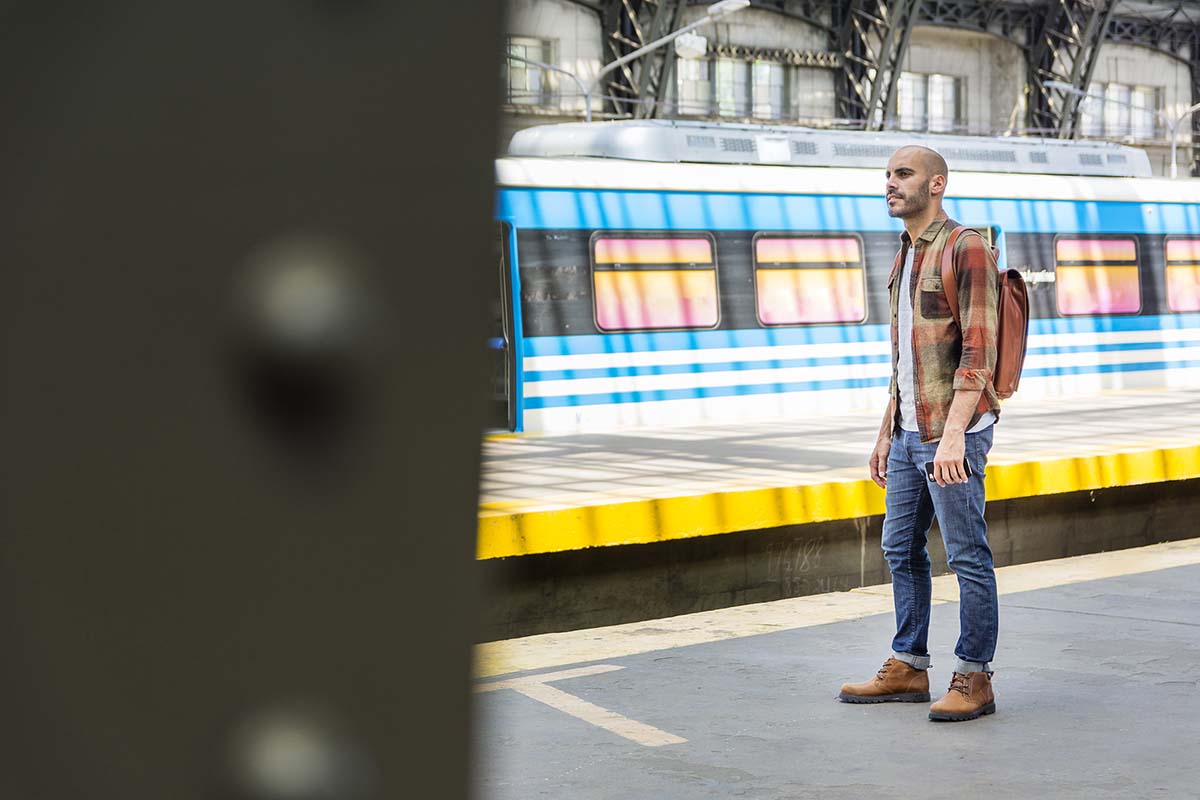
{"x": 916, "y": 178}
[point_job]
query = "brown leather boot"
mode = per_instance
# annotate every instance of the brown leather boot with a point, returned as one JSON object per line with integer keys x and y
{"x": 895, "y": 682}
{"x": 970, "y": 696}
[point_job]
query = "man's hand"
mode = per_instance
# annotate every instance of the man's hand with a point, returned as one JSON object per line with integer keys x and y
{"x": 879, "y": 459}
{"x": 948, "y": 460}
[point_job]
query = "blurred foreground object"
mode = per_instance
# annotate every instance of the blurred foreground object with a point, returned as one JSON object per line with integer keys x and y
{"x": 240, "y": 440}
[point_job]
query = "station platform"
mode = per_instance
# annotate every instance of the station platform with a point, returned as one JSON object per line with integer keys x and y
{"x": 547, "y": 494}
{"x": 1096, "y": 695}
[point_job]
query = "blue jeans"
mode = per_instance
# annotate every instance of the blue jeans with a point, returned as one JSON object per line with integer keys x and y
{"x": 912, "y": 502}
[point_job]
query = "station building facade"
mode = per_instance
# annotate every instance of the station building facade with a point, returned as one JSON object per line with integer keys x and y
{"x": 775, "y": 65}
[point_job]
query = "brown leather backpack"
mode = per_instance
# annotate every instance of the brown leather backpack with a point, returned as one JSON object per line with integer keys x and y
{"x": 1013, "y": 332}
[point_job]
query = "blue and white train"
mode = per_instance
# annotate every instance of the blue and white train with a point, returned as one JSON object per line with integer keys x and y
{"x": 674, "y": 273}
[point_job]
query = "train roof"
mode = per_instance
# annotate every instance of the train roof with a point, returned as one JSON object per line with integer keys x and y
{"x": 622, "y": 175}
{"x": 678, "y": 141}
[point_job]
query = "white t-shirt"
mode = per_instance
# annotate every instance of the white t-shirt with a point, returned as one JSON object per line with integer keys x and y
{"x": 905, "y": 380}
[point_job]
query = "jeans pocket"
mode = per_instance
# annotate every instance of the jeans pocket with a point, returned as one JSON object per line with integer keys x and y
{"x": 977, "y": 450}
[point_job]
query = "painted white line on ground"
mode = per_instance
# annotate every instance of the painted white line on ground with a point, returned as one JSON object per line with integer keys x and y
{"x": 563, "y": 675}
{"x": 598, "y": 644}
{"x": 537, "y": 688}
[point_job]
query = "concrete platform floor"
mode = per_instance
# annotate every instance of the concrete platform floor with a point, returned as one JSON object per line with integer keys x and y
{"x": 1096, "y": 684}
{"x": 585, "y": 469}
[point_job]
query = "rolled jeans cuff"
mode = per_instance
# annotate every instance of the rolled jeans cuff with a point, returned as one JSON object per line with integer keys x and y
{"x": 972, "y": 666}
{"x": 916, "y": 662}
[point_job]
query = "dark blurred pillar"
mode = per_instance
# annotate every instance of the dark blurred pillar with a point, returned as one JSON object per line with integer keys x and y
{"x": 244, "y": 250}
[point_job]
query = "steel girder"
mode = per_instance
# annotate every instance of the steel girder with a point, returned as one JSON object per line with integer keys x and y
{"x": 1177, "y": 34}
{"x": 868, "y": 39}
{"x": 986, "y": 16}
{"x": 872, "y": 40}
{"x": 638, "y": 89}
{"x": 1064, "y": 49}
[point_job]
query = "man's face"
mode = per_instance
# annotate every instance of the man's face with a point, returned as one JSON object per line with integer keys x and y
{"x": 907, "y": 188}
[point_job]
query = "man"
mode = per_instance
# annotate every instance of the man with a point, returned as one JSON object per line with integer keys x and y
{"x": 942, "y": 410}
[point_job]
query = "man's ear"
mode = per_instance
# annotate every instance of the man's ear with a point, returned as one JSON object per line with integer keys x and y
{"x": 937, "y": 184}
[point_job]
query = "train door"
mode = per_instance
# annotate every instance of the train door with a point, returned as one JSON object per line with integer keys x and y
{"x": 500, "y": 341}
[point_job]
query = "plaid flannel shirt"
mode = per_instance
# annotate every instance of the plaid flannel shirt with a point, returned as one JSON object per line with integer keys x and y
{"x": 945, "y": 359}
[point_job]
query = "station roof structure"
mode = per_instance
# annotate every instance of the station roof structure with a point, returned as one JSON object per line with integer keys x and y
{"x": 867, "y": 41}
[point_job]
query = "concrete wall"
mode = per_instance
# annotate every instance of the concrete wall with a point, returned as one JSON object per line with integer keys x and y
{"x": 1134, "y": 65}
{"x": 577, "y": 38}
{"x": 993, "y": 70}
{"x": 612, "y": 585}
{"x": 755, "y": 27}
{"x": 811, "y": 90}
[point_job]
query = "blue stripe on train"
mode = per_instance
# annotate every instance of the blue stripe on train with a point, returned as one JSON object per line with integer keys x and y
{"x": 1102, "y": 369}
{"x": 702, "y": 392}
{"x": 589, "y": 209}
{"x": 717, "y": 366}
{"x": 824, "y": 361}
{"x": 591, "y": 344}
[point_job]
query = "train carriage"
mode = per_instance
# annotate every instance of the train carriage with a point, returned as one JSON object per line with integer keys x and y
{"x": 673, "y": 273}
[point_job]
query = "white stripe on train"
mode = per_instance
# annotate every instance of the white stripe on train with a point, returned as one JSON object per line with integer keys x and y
{"x": 840, "y": 349}
{"x": 762, "y": 408}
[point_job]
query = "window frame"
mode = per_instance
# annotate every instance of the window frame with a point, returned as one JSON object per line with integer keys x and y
{"x": 645, "y": 234}
{"x": 958, "y": 124}
{"x": 787, "y": 111}
{"x": 1095, "y": 112}
{"x": 862, "y": 255}
{"x": 1137, "y": 264}
{"x": 549, "y": 97}
{"x": 696, "y": 108}
{"x": 1167, "y": 268}
{"x": 783, "y": 112}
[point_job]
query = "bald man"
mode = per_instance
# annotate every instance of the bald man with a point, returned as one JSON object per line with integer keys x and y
{"x": 941, "y": 412}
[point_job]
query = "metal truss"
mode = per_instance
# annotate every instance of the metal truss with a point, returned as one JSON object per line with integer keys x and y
{"x": 1064, "y": 50}
{"x": 639, "y": 88}
{"x": 1174, "y": 30}
{"x": 868, "y": 40}
{"x": 1167, "y": 35}
{"x": 873, "y": 38}
{"x": 987, "y": 16}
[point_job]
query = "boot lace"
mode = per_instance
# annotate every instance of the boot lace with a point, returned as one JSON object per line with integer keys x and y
{"x": 884, "y": 669}
{"x": 961, "y": 683}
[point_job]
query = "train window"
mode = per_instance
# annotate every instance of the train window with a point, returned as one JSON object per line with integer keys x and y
{"x": 654, "y": 282}
{"x": 1183, "y": 274}
{"x": 1097, "y": 275}
{"x": 809, "y": 279}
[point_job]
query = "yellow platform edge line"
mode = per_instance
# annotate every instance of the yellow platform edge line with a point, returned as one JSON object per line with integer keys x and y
{"x": 503, "y": 534}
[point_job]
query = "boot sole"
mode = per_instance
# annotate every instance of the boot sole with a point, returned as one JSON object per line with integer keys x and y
{"x": 905, "y": 697}
{"x": 938, "y": 716}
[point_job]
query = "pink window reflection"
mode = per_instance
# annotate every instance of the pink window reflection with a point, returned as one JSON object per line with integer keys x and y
{"x": 1097, "y": 276}
{"x": 809, "y": 280}
{"x": 1183, "y": 275}
{"x": 654, "y": 283}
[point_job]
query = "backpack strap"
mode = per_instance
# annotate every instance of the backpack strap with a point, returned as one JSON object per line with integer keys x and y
{"x": 949, "y": 276}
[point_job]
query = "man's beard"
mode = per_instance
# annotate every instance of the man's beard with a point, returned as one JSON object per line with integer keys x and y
{"x": 912, "y": 204}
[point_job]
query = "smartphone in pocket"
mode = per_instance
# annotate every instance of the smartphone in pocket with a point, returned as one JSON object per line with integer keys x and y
{"x": 966, "y": 468}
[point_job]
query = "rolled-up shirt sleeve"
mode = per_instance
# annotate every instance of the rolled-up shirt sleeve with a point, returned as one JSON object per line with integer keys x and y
{"x": 978, "y": 285}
